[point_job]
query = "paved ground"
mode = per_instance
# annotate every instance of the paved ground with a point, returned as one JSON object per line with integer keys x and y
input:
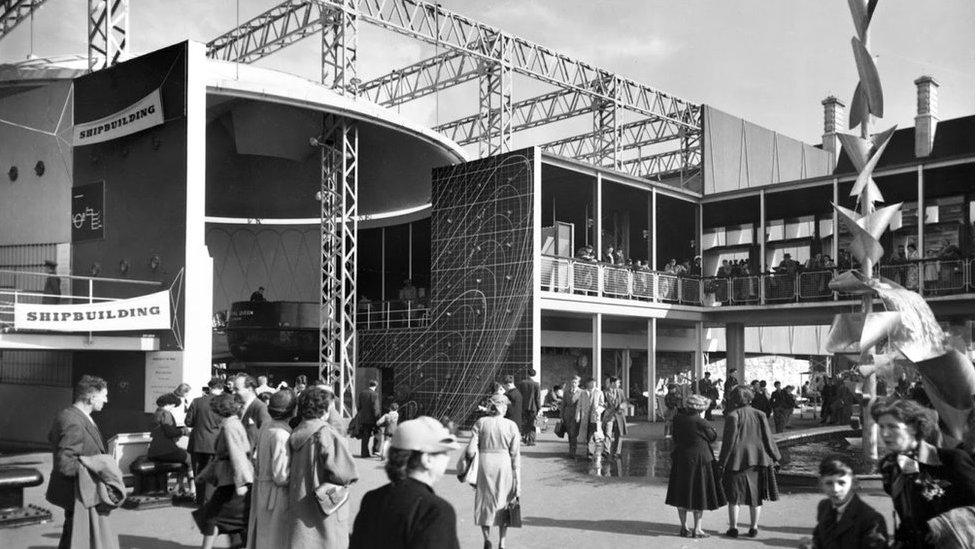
{"x": 565, "y": 503}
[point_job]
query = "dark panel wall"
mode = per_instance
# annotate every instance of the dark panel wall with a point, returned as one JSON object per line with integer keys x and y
{"x": 481, "y": 291}
{"x": 144, "y": 175}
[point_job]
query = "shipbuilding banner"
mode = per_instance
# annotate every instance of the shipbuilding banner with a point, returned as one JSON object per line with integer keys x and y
{"x": 148, "y": 312}
{"x": 141, "y": 115}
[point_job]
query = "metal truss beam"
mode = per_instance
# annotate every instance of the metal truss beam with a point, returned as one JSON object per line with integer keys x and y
{"x": 606, "y": 133}
{"x": 526, "y": 114}
{"x": 338, "y": 196}
{"x": 340, "y": 39}
{"x": 429, "y": 76}
{"x": 430, "y": 23}
{"x": 495, "y": 107}
{"x": 267, "y": 33}
{"x": 108, "y": 33}
{"x": 664, "y": 165}
{"x": 633, "y": 135}
{"x": 14, "y": 12}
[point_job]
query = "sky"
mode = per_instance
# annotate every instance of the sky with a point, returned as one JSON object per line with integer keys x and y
{"x": 769, "y": 61}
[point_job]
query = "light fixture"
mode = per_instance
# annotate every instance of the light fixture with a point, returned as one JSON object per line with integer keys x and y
{"x": 39, "y": 168}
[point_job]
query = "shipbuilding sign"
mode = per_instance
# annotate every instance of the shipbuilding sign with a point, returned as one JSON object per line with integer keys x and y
{"x": 141, "y": 115}
{"x": 147, "y": 312}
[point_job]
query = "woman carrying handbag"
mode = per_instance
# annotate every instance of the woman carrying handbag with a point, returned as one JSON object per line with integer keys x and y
{"x": 495, "y": 440}
{"x": 320, "y": 471}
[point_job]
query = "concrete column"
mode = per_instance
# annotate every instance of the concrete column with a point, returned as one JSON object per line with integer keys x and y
{"x": 735, "y": 350}
{"x": 699, "y": 353}
{"x": 762, "y": 234}
{"x": 597, "y": 346}
{"x": 920, "y": 229}
{"x": 833, "y": 124}
{"x": 927, "y": 117}
{"x": 651, "y": 368}
{"x": 598, "y": 216}
{"x": 654, "y": 231}
{"x": 382, "y": 263}
{"x": 835, "y": 244}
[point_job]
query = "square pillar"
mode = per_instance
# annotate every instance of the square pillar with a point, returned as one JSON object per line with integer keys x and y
{"x": 651, "y": 368}
{"x": 597, "y": 346}
{"x": 735, "y": 350}
{"x": 699, "y": 353}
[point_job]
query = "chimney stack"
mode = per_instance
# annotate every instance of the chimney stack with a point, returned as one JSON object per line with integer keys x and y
{"x": 833, "y": 123}
{"x": 928, "y": 115}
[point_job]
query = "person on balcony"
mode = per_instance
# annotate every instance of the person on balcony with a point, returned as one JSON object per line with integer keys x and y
{"x": 52, "y": 284}
{"x": 788, "y": 266}
{"x": 608, "y": 256}
{"x": 258, "y": 295}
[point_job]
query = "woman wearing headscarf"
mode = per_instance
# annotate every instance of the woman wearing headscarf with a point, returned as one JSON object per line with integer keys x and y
{"x": 165, "y": 436}
{"x": 231, "y": 471}
{"x": 268, "y": 525}
{"x": 318, "y": 455}
{"x": 931, "y": 488}
{"x": 495, "y": 440}
{"x": 747, "y": 459}
{"x": 692, "y": 484}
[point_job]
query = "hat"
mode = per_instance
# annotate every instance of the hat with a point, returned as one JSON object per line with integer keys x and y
{"x": 424, "y": 434}
{"x": 696, "y": 402}
{"x": 50, "y": 263}
{"x": 282, "y": 401}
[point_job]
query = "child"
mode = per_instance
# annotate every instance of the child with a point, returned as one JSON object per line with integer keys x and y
{"x": 843, "y": 520}
{"x": 385, "y": 426}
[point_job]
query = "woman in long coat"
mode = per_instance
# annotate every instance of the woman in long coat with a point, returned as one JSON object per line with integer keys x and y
{"x": 495, "y": 440}
{"x": 231, "y": 471}
{"x": 268, "y": 525}
{"x": 588, "y": 414}
{"x": 692, "y": 483}
{"x": 318, "y": 455}
{"x": 567, "y": 411}
{"x": 931, "y": 488}
{"x": 747, "y": 459}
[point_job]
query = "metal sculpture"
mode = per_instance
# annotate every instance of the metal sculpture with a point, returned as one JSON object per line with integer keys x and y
{"x": 908, "y": 325}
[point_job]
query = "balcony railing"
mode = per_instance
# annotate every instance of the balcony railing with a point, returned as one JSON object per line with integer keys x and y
{"x": 382, "y": 315}
{"x": 28, "y": 287}
{"x": 566, "y": 275}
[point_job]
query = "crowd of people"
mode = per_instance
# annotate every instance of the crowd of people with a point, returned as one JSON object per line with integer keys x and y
{"x": 275, "y": 470}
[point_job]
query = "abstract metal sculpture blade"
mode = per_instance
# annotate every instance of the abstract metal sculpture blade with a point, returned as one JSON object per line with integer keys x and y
{"x": 870, "y": 83}
{"x": 853, "y": 333}
{"x": 867, "y": 229}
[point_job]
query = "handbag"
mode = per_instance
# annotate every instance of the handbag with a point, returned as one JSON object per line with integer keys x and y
{"x": 329, "y": 495}
{"x": 513, "y": 514}
{"x": 467, "y": 469}
{"x": 559, "y": 429}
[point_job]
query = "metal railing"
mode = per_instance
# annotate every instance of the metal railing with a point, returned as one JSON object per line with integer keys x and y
{"x": 566, "y": 275}
{"x": 383, "y": 315}
{"x": 29, "y": 287}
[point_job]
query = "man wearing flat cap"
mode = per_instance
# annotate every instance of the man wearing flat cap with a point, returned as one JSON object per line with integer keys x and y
{"x": 406, "y": 512}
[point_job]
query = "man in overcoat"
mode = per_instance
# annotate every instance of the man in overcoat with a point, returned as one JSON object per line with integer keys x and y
{"x": 368, "y": 411}
{"x": 531, "y": 393}
{"x": 73, "y": 435}
{"x": 204, "y": 426}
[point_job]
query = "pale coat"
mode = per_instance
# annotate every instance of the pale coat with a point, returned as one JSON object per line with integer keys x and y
{"x": 268, "y": 523}
{"x": 232, "y": 457}
{"x": 312, "y": 464}
{"x": 589, "y": 410}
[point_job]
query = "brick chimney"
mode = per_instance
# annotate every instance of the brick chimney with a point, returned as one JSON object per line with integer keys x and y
{"x": 928, "y": 115}
{"x": 833, "y": 123}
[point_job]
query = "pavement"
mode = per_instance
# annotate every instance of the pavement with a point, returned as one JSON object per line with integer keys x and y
{"x": 565, "y": 503}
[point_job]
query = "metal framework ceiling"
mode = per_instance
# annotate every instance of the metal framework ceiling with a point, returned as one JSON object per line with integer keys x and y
{"x": 108, "y": 27}
{"x": 476, "y": 51}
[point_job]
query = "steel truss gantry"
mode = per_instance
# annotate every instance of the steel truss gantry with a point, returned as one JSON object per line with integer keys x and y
{"x": 338, "y": 198}
{"x": 108, "y": 27}
{"x": 478, "y": 51}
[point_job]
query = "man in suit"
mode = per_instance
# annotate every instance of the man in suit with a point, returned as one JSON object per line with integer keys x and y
{"x": 254, "y": 413}
{"x": 74, "y": 434}
{"x": 368, "y": 411}
{"x": 205, "y": 426}
{"x": 514, "y": 411}
{"x": 531, "y": 393}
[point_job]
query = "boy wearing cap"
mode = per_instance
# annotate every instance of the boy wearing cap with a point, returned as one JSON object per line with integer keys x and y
{"x": 406, "y": 513}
